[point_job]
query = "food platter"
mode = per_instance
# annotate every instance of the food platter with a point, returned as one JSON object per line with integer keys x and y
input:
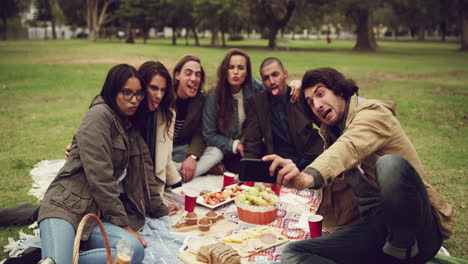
{"x": 253, "y": 240}
{"x": 237, "y": 189}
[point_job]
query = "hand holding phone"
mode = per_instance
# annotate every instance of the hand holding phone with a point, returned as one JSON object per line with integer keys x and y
{"x": 256, "y": 170}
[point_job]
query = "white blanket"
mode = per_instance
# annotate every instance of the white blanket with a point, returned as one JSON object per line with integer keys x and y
{"x": 162, "y": 247}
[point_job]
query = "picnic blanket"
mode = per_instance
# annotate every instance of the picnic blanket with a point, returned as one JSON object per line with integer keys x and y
{"x": 164, "y": 245}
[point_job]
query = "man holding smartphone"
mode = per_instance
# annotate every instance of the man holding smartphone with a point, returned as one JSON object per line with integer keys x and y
{"x": 274, "y": 125}
{"x": 405, "y": 219}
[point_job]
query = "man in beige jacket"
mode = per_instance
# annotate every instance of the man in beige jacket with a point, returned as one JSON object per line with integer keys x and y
{"x": 404, "y": 217}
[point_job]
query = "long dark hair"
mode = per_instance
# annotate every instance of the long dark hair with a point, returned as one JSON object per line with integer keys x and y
{"x": 115, "y": 80}
{"x": 150, "y": 69}
{"x": 180, "y": 64}
{"x": 223, "y": 91}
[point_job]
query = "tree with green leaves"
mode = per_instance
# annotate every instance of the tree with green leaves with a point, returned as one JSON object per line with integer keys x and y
{"x": 142, "y": 14}
{"x": 178, "y": 14}
{"x": 97, "y": 14}
{"x": 74, "y": 12}
{"x": 44, "y": 14}
{"x": 271, "y": 16}
{"x": 225, "y": 16}
{"x": 8, "y": 9}
{"x": 206, "y": 17}
{"x": 312, "y": 15}
{"x": 361, "y": 13}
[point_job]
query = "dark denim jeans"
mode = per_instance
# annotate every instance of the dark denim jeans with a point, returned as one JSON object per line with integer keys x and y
{"x": 405, "y": 216}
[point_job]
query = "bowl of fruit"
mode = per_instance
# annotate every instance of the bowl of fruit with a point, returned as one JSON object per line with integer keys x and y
{"x": 259, "y": 205}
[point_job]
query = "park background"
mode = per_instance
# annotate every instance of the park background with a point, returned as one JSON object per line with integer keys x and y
{"x": 417, "y": 59}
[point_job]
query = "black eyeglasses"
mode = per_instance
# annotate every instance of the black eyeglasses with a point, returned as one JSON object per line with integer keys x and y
{"x": 128, "y": 94}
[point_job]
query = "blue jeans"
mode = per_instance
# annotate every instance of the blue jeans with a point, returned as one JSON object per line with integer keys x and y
{"x": 405, "y": 216}
{"x": 210, "y": 157}
{"x": 57, "y": 237}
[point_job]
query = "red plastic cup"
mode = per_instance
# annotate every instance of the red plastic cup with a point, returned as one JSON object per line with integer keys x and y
{"x": 276, "y": 188}
{"x": 315, "y": 225}
{"x": 228, "y": 178}
{"x": 249, "y": 183}
{"x": 190, "y": 201}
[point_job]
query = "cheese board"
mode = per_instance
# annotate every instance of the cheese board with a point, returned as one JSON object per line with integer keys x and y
{"x": 253, "y": 240}
{"x": 222, "y": 225}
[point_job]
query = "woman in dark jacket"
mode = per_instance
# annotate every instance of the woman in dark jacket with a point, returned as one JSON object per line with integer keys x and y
{"x": 224, "y": 109}
{"x": 108, "y": 173}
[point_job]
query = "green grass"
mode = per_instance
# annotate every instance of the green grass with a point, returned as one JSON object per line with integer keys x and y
{"x": 47, "y": 86}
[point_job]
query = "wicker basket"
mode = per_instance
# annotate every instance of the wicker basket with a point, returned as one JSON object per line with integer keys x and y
{"x": 79, "y": 231}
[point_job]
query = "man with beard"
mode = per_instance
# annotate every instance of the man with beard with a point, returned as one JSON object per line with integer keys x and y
{"x": 274, "y": 125}
{"x": 404, "y": 218}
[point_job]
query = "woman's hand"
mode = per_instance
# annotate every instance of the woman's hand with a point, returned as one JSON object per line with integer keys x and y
{"x": 67, "y": 151}
{"x": 295, "y": 90}
{"x": 135, "y": 234}
{"x": 172, "y": 209}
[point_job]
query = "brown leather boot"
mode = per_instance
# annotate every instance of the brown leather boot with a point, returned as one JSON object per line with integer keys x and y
{"x": 218, "y": 169}
{"x": 22, "y": 214}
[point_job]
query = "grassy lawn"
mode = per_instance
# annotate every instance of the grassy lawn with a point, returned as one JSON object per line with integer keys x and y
{"x": 47, "y": 86}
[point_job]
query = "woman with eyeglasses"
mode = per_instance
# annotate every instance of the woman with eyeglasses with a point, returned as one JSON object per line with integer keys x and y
{"x": 108, "y": 173}
{"x": 156, "y": 118}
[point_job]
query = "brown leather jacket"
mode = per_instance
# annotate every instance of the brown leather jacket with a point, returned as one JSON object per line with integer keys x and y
{"x": 101, "y": 150}
{"x": 337, "y": 206}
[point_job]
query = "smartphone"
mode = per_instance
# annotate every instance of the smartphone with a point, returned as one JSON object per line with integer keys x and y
{"x": 256, "y": 170}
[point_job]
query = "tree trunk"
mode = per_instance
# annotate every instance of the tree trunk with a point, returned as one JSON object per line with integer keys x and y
{"x": 146, "y": 28}
{"x": 186, "y": 36}
{"x": 275, "y": 23}
{"x": 54, "y": 32}
{"x": 214, "y": 36}
{"x": 223, "y": 39}
{"x": 195, "y": 36}
{"x": 174, "y": 36}
{"x": 337, "y": 31}
{"x": 443, "y": 31}
{"x": 365, "y": 40}
{"x": 45, "y": 30}
{"x": 96, "y": 19}
{"x": 272, "y": 38}
{"x": 5, "y": 28}
{"x": 464, "y": 25}
{"x": 421, "y": 34}
{"x": 129, "y": 30}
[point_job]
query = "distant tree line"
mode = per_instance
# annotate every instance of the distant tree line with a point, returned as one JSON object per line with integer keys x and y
{"x": 234, "y": 17}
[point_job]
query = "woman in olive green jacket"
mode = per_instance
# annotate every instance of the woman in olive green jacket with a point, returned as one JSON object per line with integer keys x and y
{"x": 109, "y": 173}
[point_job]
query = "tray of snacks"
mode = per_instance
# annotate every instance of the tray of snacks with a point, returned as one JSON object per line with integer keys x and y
{"x": 208, "y": 224}
{"x": 197, "y": 250}
{"x": 253, "y": 240}
{"x": 224, "y": 196}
